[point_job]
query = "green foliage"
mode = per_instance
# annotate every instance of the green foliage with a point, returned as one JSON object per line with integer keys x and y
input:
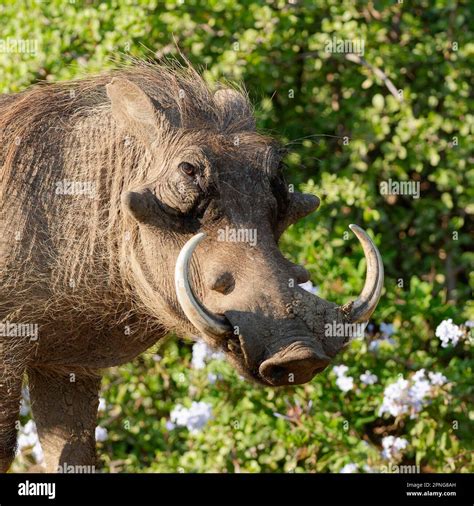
{"x": 346, "y": 134}
{"x": 321, "y": 429}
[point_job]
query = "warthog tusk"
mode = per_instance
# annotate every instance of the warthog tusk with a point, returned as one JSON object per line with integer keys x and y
{"x": 360, "y": 309}
{"x": 196, "y": 313}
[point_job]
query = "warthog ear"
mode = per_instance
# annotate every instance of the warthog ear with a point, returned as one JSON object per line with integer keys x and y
{"x": 142, "y": 205}
{"x": 145, "y": 207}
{"x": 235, "y": 113}
{"x": 300, "y": 205}
{"x": 137, "y": 204}
{"x": 134, "y": 111}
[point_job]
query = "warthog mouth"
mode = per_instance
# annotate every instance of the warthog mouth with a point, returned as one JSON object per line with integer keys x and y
{"x": 291, "y": 371}
{"x": 295, "y": 364}
{"x": 234, "y": 346}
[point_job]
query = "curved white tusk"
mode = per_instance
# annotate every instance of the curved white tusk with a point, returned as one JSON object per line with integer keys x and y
{"x": 196, "y": 313}
{"x": 361, "y": 309}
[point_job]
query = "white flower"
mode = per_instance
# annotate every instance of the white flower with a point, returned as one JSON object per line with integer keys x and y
{"x": 102, "y": 405}
{"x": 376, "y": 343}
{"x": 410, "y": 396}
{"x": 101, "y": 434}
{"x": 469, "y": 323}
{"x": 309, "y": 287}
{"x": 170, "y": 425}
{"x": 28, "y": 435}
{"x": 212, "y": 378}
{"x": 437, "y": 378}
{"x": 392, "y": 447}
{"x": 349, "y": 468}
{"x": 448, "y": 332}
{"x": 37, "y": 452}
{"x": 203, "y": 353}
{"x": 156, "y": 357}
{"x": 387, "y": 329}
{"x": 199, "y": 355}
{"x": 340, "y": 370}
{"x": 400, "y": 444}
{"x": 420, "y": 374}
{"x": 419, "y": 390}
{"x": 193, "y": 418}
{"x": 345, "y": 383}
{"x": 25, "y": 392}
{"x": 25, "y": 405}
{"x": 368, "y": 378}
{"x": 395, "y": 398}
{"x": 28, "y": 439}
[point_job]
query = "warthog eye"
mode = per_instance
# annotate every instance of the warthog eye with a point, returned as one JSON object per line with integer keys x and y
{"x": 188, "y": 168}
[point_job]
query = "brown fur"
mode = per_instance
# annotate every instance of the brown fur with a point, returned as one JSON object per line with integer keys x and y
{"x": 97, "y": 278}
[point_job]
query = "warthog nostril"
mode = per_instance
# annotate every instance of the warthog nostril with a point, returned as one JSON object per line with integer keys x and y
{"x": 223, "y": 283}
{"x": 291, "y": 370}
{"x": 276, "y": 372}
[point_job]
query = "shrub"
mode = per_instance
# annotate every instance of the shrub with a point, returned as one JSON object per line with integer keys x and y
{"x": 348, "y": 133}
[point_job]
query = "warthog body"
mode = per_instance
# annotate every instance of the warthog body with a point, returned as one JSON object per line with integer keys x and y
{"x": 103, "y": 183}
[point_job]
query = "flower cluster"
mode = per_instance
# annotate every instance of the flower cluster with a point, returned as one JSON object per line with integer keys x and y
{"x": 386, "y": 330}
{"x": 28, "y": 435}
{"x": 212, "y": 377}
{"x": 102, "y": 405}
{"x": 393, "y": 447}
{"x": 25, "y": 402}
{"x": 437, "y": 378}
{"x": 193, "y": 418}
{"x": 345, "y": 383}
{"x": 28, "y": 440}
{"x": 203, "y": 353}
{"x": 349, "y": 468}
{"x": 101, "y": 434}
{"x": 448, "y": 332}
{"x": 410, "y": 396}
{"x": 368, "y": 378}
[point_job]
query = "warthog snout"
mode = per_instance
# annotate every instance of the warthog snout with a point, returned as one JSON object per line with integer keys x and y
{"x": 294, "y": 368}
{"x": 279, "y": 335}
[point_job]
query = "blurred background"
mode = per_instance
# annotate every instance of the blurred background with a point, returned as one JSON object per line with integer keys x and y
{"x": 395, "y": 106}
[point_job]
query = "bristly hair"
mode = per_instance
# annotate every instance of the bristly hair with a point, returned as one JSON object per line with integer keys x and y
{"x": 179, "y": 90}
{"x": 45, "y": 137}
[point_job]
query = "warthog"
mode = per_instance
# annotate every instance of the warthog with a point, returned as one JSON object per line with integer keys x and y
{"x": 134, "y": 204}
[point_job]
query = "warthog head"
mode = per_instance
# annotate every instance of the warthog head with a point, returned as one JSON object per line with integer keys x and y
{"x": 208, "y": 220}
